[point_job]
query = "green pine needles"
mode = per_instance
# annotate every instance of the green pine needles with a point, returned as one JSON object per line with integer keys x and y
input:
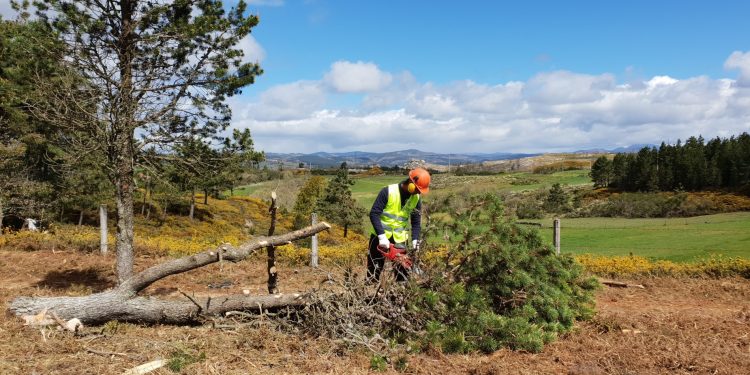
{"x": 498, "y": 285}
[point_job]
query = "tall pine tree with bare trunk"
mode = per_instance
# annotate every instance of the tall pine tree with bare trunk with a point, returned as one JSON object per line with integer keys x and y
{"x": 153, "y": 73}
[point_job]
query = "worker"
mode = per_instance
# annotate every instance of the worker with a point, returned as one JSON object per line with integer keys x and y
{"x": 395, "y": 206}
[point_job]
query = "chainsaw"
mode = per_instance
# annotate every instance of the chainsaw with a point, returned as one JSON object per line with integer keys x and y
{"x": 397, "y": 254}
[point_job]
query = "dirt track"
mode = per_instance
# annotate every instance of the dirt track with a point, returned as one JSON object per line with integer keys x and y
{"x": 673, "y": 326}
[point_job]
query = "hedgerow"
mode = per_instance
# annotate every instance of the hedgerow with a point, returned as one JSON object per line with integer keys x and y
{"x": 618, "y": 266}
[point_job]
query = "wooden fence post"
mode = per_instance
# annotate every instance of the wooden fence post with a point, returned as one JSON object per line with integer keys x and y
{"x": 273, "y": 286}
{"x": 103, "y": 229}
{"x": 314, "y": 244}
{"x": 556, "y": 233}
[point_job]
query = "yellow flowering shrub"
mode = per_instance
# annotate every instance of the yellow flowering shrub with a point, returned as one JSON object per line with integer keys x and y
{"x": 234, "y": 220}
{"x": 338, "y": 254}
{"x": 435, "y": 254}
{"x": 332, "y": 247}
{"x": 65, "y": 237}
{"x": 715, "y": 266}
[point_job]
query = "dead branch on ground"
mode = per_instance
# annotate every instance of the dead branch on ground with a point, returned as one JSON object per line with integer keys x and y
{"x": 123, "y": 303}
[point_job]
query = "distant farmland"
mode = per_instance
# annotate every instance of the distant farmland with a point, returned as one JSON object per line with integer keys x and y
{"x": 676, "y": 239}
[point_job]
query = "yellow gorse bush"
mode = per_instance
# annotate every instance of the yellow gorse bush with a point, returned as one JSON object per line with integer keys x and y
{"x": 222, "y": 221}
{"x": 715, "y": 266}
{"x": 66, "y": 237}
{"x": 336, "y": 254}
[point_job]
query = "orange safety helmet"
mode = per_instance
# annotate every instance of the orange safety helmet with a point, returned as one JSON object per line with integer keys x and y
{"x": 420, "y": 180}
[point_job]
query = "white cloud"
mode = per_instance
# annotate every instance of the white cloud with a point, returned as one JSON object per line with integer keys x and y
{"x": 254, "y": 52}
{"x": 552, "y": 111}
{"x": 287, "y": 102}
{"x": 349, "y": 77}
{"x": 434, "y": 105}
{"x": 564, "y": 88}
{"x": 740, "y": 61}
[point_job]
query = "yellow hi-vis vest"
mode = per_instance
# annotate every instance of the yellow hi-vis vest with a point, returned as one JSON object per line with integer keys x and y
{"x": 394, "y": 217}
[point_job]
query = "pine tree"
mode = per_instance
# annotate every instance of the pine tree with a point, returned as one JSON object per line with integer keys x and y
{"x": 156, "y": 69}
{"x": 337, "y": 204}
{"x": 665, "y": 166}
{"x": 601, "y": 172}
{"x": 29, "y": 146}
{"x": 239, "y": 156}
{"x": 645, "y": 177}
{"x": 497, "y": 285}
{"x": 558, "y": 200}
{"x": 307, "y": 199}
{"x": 619, "y": 171}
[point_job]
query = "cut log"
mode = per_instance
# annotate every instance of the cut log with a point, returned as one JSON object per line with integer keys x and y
{"x": 123, "y": 304}
{"x": 102, "y": 307}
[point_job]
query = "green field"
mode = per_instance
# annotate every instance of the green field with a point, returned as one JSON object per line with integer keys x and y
{"x": 366, "y": 189}
{"x": 520, "y": 181}
{"x": 677, "y": 239}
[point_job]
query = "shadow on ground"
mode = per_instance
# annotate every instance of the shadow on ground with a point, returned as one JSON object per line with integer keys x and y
{"x": 91, "y": 277}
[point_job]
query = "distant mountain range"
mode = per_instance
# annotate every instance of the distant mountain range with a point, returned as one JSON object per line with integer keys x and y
{"x": 364, "y": 159}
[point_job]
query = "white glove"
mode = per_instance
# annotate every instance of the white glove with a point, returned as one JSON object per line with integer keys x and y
{"x": 383, "y": 242}
{"x": 415, "y": 244}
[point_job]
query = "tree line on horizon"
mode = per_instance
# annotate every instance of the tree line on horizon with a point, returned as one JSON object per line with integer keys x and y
{"x": 694, "y": 165}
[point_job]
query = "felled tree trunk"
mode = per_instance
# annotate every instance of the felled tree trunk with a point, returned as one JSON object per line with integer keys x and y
{"x": 123, "y": 303}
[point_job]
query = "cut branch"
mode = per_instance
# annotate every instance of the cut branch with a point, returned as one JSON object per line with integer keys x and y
{"x": 123, "y": 304}
{"x": 618, "y": 284}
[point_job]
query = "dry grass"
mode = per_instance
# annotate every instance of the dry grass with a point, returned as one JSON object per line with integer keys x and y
{"x": 675, "y": 326}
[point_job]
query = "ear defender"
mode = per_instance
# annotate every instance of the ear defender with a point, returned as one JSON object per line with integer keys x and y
{"x": 411, "y": 187}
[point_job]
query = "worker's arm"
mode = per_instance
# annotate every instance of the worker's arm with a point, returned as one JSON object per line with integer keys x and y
{"x": 416, "y": 221}
{"x": 377, "y": 209}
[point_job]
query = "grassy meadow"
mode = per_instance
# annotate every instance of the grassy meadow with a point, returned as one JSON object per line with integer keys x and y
{"x": 365, "y": 189}
{"x": 674, "y": 239}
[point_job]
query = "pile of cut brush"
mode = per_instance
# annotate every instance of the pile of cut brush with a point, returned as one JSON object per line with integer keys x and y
{"x": 348, "y": 310}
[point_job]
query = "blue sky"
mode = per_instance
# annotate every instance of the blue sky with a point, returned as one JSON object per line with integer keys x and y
{"x": 490, "y": 76}
{"x": 483, "y": 76}
{"x": 494, "y": 42}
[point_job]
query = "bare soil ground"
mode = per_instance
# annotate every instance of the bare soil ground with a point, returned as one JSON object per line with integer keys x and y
{"x": 673, "y": 326}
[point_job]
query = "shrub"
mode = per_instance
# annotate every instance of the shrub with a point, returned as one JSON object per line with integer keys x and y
{"x": 568, "y": 165}
{"x": 715, "y": 266}
{"x": 498, "y": 285}
{"x": 557, "y": 200}
{"x": 602, "y": 203}
{"x": 378, "y": 363}
{"x": 529, "y": 210}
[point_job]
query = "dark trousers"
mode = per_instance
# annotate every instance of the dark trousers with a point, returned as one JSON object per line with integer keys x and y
{"x": 376, "y": 262}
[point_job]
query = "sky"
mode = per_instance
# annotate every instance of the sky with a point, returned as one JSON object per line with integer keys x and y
{"x": 491, "y": 76}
